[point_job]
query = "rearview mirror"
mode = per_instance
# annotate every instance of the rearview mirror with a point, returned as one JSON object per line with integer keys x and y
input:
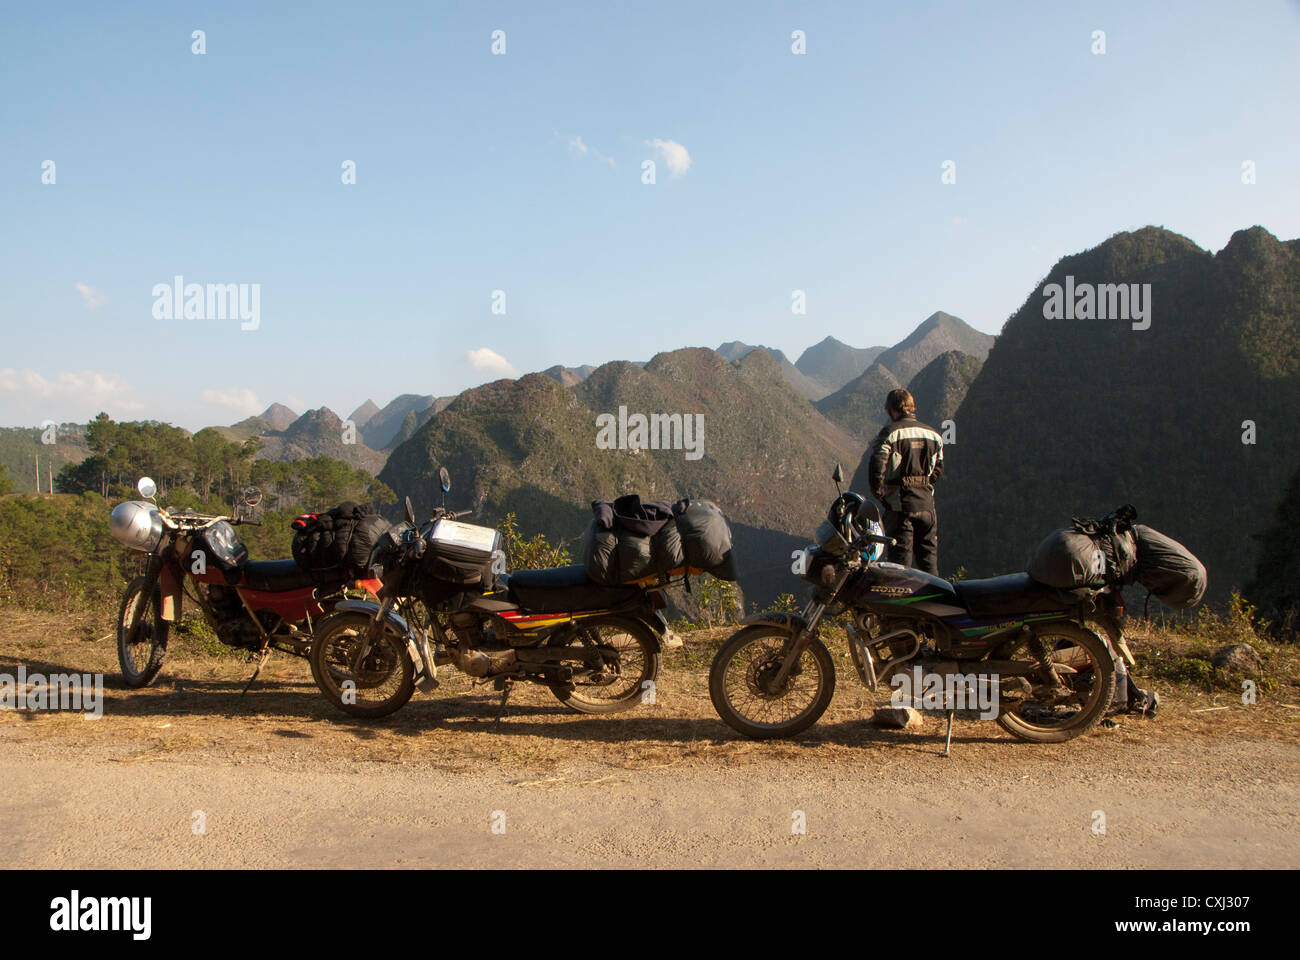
{"x": 444, "y": 479}
{"x": 838, "y": 475}
{"x": 410, "y": 512}
{"x": 251, "y": 496}
{"x": 147, "y": 488}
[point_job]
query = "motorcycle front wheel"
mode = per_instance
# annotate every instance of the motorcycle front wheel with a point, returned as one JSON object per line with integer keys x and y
{"x": 379, "y": 685}
{"x": 141, "y": 633}
{"x": 741, "y": 684}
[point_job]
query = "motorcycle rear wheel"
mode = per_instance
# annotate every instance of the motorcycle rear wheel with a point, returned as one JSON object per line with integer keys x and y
{"x": 740, "y": 695}
{"x": 628, "y": 679}
{"x": 141, "y": 634}
{"x": 387, "y": 676}
{"x": 1094, "y": 686}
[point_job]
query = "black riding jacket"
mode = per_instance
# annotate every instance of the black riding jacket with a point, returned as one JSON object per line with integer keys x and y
{"x": 906, "y": 460}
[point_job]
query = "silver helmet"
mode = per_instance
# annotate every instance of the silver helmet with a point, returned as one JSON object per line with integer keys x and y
{"x": 137, "y": 524}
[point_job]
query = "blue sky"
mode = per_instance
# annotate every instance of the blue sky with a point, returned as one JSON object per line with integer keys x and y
{"x": 478, "y": 172}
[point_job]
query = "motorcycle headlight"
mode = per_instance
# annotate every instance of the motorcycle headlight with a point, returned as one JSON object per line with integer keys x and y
{"x": 831, "y": 540}
{"x": 137, "y": 524}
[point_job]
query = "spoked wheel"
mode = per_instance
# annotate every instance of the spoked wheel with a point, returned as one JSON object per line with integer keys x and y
{"x": 1040, "y": 713}
{"x": 141, "y": 633}
{"x": 622, "y": 679}
{"x": 379, "y": 684}
{"x": 742, "y": 684}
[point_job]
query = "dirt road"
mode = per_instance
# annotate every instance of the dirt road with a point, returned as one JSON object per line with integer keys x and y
{"x": 278, "y": 779}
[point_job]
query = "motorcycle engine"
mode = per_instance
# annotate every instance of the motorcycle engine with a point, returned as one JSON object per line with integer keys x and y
{"x": 233, "y": 626}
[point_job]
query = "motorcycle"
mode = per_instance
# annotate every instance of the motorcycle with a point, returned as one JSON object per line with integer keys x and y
{"x": 1019, "y": 648}
{"x": 597, "y": 648}
{"x": 255, "y": 605}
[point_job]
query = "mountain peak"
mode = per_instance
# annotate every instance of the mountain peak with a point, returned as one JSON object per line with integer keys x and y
{"x": 314, "y": 421}
{"x": 362, "y": 414}
{"x": 859, "y": 404}
{"x": 278, "y": 416}
{"x": 833, "y": 363}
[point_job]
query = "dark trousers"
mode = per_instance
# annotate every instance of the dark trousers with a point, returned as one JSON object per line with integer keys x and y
{"x": 917, "y": 533}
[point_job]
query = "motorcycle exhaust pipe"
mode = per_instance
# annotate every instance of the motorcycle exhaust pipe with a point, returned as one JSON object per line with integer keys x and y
{"x": 479, "y": 663}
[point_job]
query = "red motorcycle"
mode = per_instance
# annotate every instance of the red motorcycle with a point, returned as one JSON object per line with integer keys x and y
{"x": 254, "y": 605}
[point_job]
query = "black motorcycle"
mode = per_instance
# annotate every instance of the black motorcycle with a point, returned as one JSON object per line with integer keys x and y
{"x": 447, "y": 600}
{"x": 1018, "y": 650}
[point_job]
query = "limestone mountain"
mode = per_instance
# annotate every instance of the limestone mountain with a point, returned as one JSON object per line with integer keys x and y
{"x": 1275, "y": 588}
{"x": 278, "y": 416}
{"x": 383, "y": 426}
{"x": 938, "y": 333}
{"x": 833, "y": 363}
{"x": 803, "y": 384}
{"x": 363, "y": 414}
{"x": 858, "y": 406}
{"x": 942, "y": 384}
{"x": 1192, "y": 419}
{"x": 248, "y": 427}
{"x": 530, "y": 445}
{"x": 569, "y": 376}
{"x": 320, "y": 433}
{"x": 414, "y": 420}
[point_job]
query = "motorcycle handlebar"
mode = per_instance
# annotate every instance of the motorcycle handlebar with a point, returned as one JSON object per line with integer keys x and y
{"x": 445, "y": 514}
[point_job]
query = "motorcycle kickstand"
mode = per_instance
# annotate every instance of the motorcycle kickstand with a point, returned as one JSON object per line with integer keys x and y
{"x": 506, "y": 686}
{"x": 263, "y": 653}
{"x": 948, "y": 745}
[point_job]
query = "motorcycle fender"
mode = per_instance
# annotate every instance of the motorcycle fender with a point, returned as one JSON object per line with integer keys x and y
{"x": 1114, "y": 636}
{"x": 658, "y": 625}
{"x": 789, "y": 621}
{"x": 426, "y": 670}
{"x": 169, "y": 585}
{"x": 370, "y": 608}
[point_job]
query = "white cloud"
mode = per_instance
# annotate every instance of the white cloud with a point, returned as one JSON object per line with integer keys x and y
{"x": 92, "y": 298}
{"x": 676, "y": 157}
{"x": 240, "y": 401}
{"x": 489, "y": 361}
{"x": 27, "y": 397}
{"x": 575, "y": 143}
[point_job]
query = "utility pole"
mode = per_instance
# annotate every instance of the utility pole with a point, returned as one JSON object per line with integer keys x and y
{"x": 49, "y": 468}
{"x": 38, "y": 473}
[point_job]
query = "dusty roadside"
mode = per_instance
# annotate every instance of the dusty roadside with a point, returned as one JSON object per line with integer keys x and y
{"x": 277, "y": 779}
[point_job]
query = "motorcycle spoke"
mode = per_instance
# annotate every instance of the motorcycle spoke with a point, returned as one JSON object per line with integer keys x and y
{"x": 743, "y": 683}
{"x": 380, "y": 673}
{"x": 1047, "y": 709}
{"x": 622, "y": 675}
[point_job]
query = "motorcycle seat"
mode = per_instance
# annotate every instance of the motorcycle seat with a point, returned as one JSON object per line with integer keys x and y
{"x": 275, "y": 576}
{"x": 563, "y": 589}
{"x": 1011, "y": 594}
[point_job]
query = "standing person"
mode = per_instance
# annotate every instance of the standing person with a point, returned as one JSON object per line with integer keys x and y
{"x": 906, "y": 460}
